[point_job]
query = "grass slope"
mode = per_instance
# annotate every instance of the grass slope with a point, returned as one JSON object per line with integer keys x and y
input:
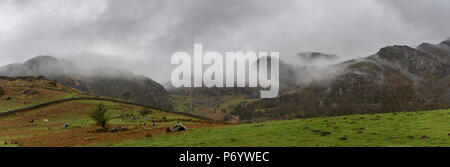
{"x": 427, "y": 128}
{"x": 30, "y": 91}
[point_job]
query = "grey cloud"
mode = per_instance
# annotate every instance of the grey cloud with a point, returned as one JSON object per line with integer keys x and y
{"x": 431, "y": 15}
{"x": 141, "y": 35}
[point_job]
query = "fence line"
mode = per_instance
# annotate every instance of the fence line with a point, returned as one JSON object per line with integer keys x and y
{"x": 99, "y": 99}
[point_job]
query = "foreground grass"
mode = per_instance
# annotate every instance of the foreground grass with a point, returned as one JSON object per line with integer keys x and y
{"x": 427, "y": 128}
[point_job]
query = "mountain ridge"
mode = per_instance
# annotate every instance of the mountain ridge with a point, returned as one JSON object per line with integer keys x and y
{"x": 109, "y": 82}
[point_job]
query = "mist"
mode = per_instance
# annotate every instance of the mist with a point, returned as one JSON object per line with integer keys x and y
{"x": 141, "y": 35}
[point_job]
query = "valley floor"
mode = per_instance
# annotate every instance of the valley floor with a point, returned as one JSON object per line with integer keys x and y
{"x": 417, "y": 129}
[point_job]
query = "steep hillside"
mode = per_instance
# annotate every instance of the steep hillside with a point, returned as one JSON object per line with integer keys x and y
{"x": 108, "y": 82}
{"x": 39, "y": 118}
{"x": 397, "y": 78}
{"x": 214, "y": 103}
{"x": 20, "y": 92}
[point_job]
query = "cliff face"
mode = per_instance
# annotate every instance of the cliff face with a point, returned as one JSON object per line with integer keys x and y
{"x": 107, "y": 82}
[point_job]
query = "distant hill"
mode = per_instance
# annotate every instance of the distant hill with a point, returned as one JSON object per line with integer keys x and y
{"x": 108, "y": 82}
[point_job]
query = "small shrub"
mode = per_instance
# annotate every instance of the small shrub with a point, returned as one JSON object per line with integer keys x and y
{"x": 100, "y": 116}
{"x": 2, "y": 92}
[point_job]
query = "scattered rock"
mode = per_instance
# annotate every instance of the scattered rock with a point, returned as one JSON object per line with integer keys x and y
{"x": 8, "y": 98}
{"x": 177, "y": 127}
{"x": 89, "y": 138}
{"x": 46, "y": 120}
{"x": 324, "y": 133}
{"x": 31, "y": 121}
{"x": 118, "y": 129}
{"x": 154, "y": 125}
{"x": 31, "y": 92}
{"x": 66, "y": 125}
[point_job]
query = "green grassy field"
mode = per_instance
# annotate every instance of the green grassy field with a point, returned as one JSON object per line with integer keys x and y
{"x": 427, "y": 128}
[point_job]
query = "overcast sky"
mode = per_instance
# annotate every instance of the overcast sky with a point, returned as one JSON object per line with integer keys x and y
{"x": 141, "y": 35}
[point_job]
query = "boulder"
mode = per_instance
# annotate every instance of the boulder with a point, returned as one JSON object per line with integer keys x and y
{"x": 66, "y": 125}
{"x": 118, "y": 129}
{"x": 31, "y": 92}
{"x": 177, "y": 127}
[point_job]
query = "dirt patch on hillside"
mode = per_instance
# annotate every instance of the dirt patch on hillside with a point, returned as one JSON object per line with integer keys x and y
{"x": 89, "y": 136}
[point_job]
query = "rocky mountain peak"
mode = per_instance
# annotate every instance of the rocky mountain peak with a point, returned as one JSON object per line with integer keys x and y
{"x": 446, "y": 42}
{"x": 313, "y": 56}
